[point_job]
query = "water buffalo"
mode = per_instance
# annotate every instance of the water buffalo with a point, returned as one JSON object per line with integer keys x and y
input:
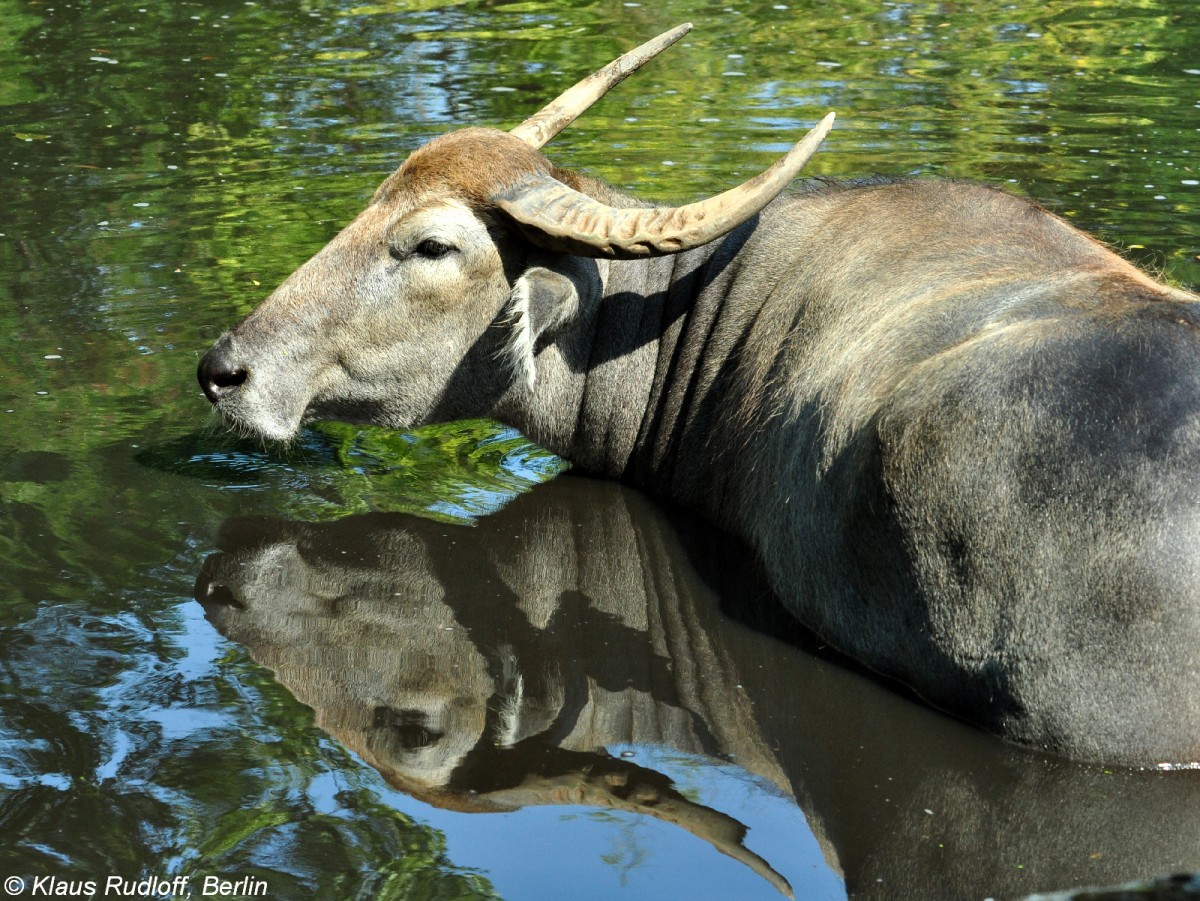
{"x": 960, "y": 435}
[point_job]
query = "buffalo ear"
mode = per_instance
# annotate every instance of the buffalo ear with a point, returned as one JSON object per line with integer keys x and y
{"x": 542, "y": 303}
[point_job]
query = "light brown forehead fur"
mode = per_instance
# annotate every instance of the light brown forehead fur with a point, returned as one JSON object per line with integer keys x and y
{"x": 471, "y": 165}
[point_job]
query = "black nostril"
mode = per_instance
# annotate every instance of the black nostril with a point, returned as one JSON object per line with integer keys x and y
{"x": 214, "y": 595}
{"x": 218, "y": 375}
{"x": 230, "y": 379}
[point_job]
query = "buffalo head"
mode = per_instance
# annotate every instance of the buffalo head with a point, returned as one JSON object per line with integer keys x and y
{"x": 475, "y": 253}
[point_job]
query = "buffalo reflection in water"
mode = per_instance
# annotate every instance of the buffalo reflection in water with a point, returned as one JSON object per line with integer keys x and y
{"x": 488, "y": 668}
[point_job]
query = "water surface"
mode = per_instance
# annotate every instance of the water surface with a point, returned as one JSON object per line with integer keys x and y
{"x": 163, "y": 165}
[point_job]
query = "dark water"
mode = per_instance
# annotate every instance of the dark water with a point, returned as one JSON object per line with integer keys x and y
{"x": 379, "y": 699}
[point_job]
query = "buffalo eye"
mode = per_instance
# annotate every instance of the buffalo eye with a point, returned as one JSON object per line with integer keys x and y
{"x": 433, "y": 249}
{"x": 430, "y": 249}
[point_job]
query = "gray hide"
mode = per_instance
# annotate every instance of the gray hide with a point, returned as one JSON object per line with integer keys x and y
{"x": 491, "y": 667}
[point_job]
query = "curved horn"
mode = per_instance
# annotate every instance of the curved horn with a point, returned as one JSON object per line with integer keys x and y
{"x": 559, "y": 218}
{"x": 569, "y": 105}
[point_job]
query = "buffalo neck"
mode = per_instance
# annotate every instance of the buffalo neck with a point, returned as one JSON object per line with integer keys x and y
{"x": 642, "y": 388}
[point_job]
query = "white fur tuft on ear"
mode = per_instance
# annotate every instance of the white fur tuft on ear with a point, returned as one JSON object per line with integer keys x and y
{"x": 518, "y": 348}
{"x": 542, "y": 304}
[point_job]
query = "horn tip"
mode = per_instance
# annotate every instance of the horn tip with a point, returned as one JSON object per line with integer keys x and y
{"x": 667, "y": 38}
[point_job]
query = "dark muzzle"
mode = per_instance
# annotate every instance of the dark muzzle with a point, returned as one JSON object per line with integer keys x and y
{"x": 219, "y": 375}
